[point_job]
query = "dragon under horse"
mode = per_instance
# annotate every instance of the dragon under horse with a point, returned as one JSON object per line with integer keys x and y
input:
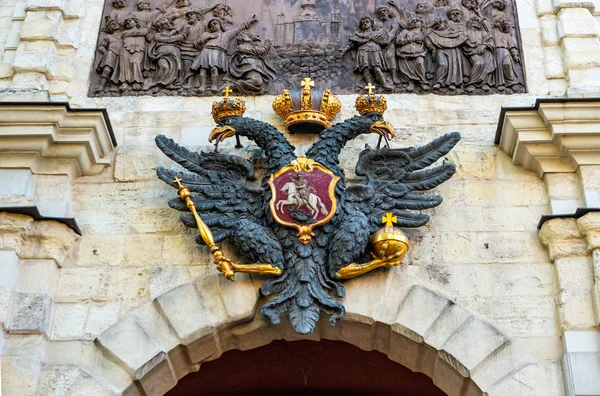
{"x": 306, "y": 263}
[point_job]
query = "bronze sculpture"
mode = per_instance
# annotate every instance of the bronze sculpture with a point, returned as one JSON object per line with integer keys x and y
{"x": 194, "y": 48}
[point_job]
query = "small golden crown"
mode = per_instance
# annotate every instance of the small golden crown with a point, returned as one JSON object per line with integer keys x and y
{"x": 307, "y": 111}
{"x": 228, "y": 107}
{"x": 370, "y": 102}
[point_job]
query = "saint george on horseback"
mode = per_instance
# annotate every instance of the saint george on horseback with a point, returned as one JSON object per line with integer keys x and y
{"x": 301, "y": 194}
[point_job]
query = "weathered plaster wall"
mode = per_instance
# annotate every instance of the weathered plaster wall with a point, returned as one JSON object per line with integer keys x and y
{"x": 481, "y": 249}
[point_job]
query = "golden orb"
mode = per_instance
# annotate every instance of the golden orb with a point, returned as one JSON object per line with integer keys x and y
{"x": 389, "y": 242}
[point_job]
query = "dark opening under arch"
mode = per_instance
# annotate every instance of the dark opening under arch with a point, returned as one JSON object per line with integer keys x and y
{"x": 305, "y": 367}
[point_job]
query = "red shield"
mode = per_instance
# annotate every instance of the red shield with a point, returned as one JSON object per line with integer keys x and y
{"x": 303, "y": 196}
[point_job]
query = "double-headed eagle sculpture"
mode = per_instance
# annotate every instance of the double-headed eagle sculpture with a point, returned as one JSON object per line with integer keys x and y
{"x": 303, "y": 224}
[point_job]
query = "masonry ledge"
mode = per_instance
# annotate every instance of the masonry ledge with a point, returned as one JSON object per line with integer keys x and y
{"x": 53, "y": 138}
{"x": 553, "y": 136}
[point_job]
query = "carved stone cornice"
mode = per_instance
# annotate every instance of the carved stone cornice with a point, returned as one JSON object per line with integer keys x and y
{"x": 554, "y": 136}
{"x": 53, "y": 138}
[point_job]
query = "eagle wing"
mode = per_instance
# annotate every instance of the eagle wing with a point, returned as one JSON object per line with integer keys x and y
{"x": 395, "y": 178}
{"x": 223, "y": 198}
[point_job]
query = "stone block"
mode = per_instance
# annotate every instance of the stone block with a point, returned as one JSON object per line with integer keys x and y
{"x": 16, "y": 182}
{"x": 574, "y": 272}
{"x": 507, "y": 247}
{"x": 523, "y": 280}
{"x": 30, "y": 313}
{"x": 101, "y": 316}
{"x": 458, "y": 247}
{"x": 589, "y": 225}
{"x": 130, "y": 343}
{"x": 49, "y": 240}
{"x": 513, "y": 218}
{"x": 450, "y": 319}
{"x": 576, "y": 22}
{"x": 21, "y": 344}
{"x": 37, "y": 276}
{"x": 583, "y": 83}
{"x": 195, "y": 136}
{"x": 557, "y": 87}
{"x": 165, "y": 279}
{"x": 562, "y": 238}
{"x": 8, "y": 268}
{"x": 575, "y": 310}
{"x": 88, "y": 386}
{"x": 83, "y": 284}
{"x": 186, "y": 313}
{"x": 561, "y": 4}
{"x": 36, "y": 56}
{"x": 562, "y": 185}
{"x": 57, "y": 379}
{"x": 156, "y": 326}
{"x": 41, "y": 25}
{"x": 580, "y": 53}
{"x": 596, "y": 299}
{"x": 553, "y": 62}
{"x": 19, "y": 375}
{"x": 589, "y": 177}
{"x": 68, "y": 322}
{"x": 419, "y": 311}
{"x": 142, "y": 250}
{"x": 157, "y": 220}
{"x": 129, "y": 284}
{"x": 548, "y": 30}
{"x": 159, "y": 380}
{"x": 530, "y": 379}
{"x": 135, "y": 163}
{"x": 100, "y": 250}
{"x": 473, "y": 342}
{"x": 525, "y": 316}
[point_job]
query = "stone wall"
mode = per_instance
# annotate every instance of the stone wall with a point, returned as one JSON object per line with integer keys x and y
{"x": 480, "y": 252}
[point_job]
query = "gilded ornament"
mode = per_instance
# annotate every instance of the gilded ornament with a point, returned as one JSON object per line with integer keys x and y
{"x": 307, "y": 110}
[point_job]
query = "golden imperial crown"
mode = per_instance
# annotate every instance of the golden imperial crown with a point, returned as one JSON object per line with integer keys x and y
{"x": 228, "y": 107}
{"x": 307, "y": 111}
{"x": 370, "y": 102}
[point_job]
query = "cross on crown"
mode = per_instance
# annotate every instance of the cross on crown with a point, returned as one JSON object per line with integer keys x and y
{"x": 370, "y": 87}
{"x": 307, "y": 83}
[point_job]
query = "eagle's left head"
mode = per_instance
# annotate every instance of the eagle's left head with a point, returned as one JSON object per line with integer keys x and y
{"x": 378, "y": 125}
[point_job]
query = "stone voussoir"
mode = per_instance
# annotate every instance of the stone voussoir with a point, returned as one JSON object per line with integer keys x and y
{"x": 129, "y": 342}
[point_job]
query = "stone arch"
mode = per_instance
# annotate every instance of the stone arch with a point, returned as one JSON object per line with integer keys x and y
{"x": 151, "y": 348}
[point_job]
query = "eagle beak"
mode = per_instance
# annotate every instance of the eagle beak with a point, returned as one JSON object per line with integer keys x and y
{"x": 220, "y": 133}
{"x": 384, "y": 129}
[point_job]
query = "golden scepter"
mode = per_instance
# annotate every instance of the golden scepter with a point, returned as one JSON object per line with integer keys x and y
{"x": 224, "y": 265}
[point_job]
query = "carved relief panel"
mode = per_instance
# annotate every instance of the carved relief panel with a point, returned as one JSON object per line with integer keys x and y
{"x": 197, "y": 47}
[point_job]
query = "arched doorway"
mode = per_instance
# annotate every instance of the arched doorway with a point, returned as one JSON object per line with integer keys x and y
{"x": 303, "y": 368}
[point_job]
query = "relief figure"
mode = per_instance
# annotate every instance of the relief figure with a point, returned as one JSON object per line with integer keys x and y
{"x": 188, "y": 78}
{"x": 368, "y": 43}
{"x": 250, "y": 65}
{"x": 119, "y": 12}
{"x": 109, "y": 48}
{"x": 131, "y": 56}
{"x": 389, "y": 22}
{"x": 213, "y": 56}
{"x": 411, "y": 53}
{"x": 165, "y": 53}
{"x": 507, "y": 55}
{"x": 445, "y": 44}
{"x": 479, "y": 48}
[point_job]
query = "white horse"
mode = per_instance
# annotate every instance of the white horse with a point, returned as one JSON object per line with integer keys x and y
{"x": 313, "y": 202}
